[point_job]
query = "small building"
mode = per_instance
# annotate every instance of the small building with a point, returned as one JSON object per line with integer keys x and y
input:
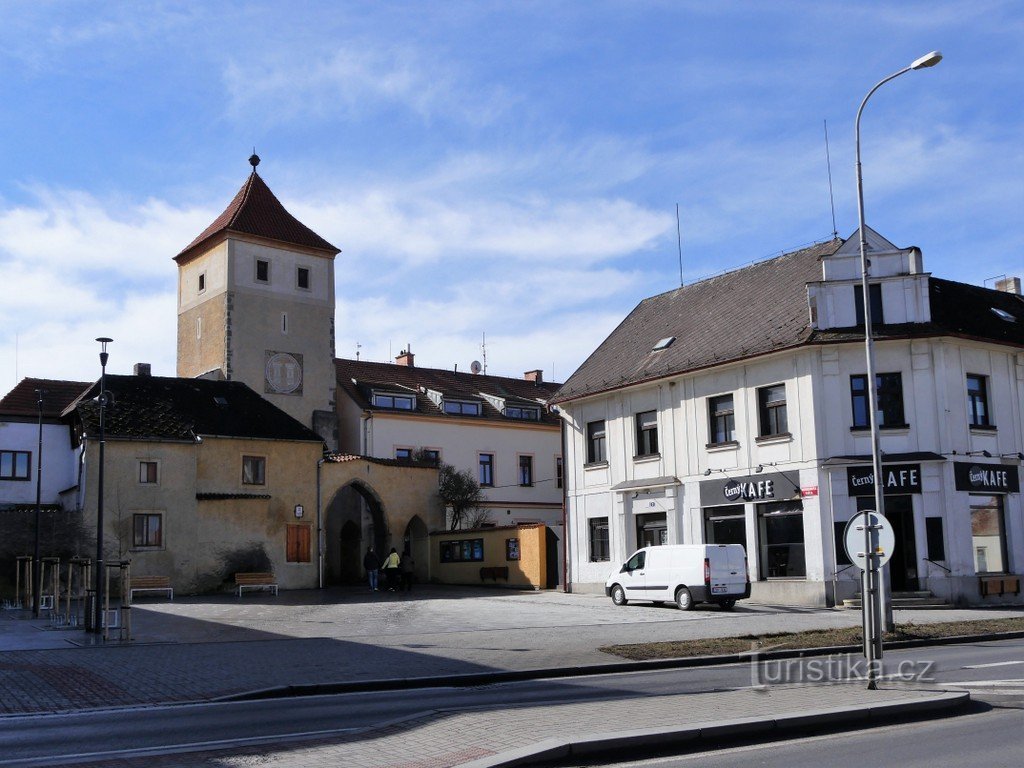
{"x": 521, "y": 556}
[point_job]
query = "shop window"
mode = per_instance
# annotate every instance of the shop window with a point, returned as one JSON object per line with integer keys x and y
{"x": 147, "y": 530}
{"x": 936, "y": 541}
{"x": 781, "y": 532}
{"x": 15, "y": 465}
{"x": 254, "y": 470}
{"x": 771, "y": 405}
{"x": 464, "y": 551}
{"x": 874, "y": 299}
{"x": 297, "y": 544}
{"x": 988, "y": 534}
{"x": 722, "y": 419}
{"x": 599, "y": 549}
{"x": 596, "y": 442}
{"x": 890, "y": 400}
{"x": 977, "y": 401}
{"x": 652, "y": 530}
{"x": 526, "y": 470}
{"x": 647, "y": 433}
{"x": 487, "y": 470}
{"x": 842, "y": 556}
{"x": 726, "y": 525}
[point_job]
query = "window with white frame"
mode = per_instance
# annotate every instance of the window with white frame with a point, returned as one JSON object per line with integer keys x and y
{"x": 597, "y": 448}
{"x": 525, "y": 470}
{"x": 600, "y": 551}
{"x": 647, "y": 433}
{"x": 889, "y": 391}
{"x": 149, "y": 472}
{"x": 977, "y": 401}
{"x": 722, "y": 419}
{"x": 771, "y": 408}
{"x": 486, "y": 470}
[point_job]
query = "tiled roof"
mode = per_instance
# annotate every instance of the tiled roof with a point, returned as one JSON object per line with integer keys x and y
{"x": 166, "y": 408}
{"x": 256, "y": 211}
{"x": 21, "y": 401}
{"x": 359, "y": 379}
{"x": 344, "y": 458}
{"x": 763, "y": 308}
{"x": 757, "y": 309}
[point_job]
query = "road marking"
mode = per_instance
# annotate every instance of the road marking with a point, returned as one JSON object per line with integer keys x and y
{"x": 993, "y": 664}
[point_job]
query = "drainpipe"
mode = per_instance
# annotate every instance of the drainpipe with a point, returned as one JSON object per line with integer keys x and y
{"x": 319, "y": 529}
{"x": 565, "y": 522}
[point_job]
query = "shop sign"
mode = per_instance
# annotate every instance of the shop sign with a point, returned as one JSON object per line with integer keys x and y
{"x": 806, "y": 493}
{"x": 898, "y": 478}
{"x": 768, "y": 487}
{"x": 991, "y": 478}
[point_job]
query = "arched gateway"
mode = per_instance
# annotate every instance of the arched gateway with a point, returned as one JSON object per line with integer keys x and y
{"x": 374, "y": 502}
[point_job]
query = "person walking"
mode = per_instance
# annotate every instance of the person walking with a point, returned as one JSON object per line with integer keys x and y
{"x": 371, "y": 565}
{"x": 391, "y": 565}
{"x": 408, "y": 571}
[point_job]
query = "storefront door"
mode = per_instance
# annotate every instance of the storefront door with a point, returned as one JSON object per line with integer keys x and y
{"x": 899, "y": 511}
{"x": 651, "y": 530}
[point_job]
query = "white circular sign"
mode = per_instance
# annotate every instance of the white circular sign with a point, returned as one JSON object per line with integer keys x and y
{"x": 882, "y": 538}
{"x": 284, "y": 373}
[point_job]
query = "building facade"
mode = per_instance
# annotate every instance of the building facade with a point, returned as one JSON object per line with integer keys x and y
{"x": 734, "y": 410}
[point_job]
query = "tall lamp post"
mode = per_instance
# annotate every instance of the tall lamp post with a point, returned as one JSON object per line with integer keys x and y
{"x": 871, "y": 587}
{"x": 37, "y": 566}
{"x": 99, "y": 575}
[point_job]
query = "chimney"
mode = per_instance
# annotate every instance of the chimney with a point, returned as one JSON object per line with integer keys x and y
{"x": 143, "y": 369}
{"x": 1009, "y": 285}
{"x": 405, "y": 357}
{"x": 536, "y": 376}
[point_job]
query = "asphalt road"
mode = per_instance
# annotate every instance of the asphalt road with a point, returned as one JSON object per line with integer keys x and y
{"x": 984, "y": 667}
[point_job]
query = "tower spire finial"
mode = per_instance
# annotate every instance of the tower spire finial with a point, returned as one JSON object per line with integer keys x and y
{"x": 254, "y": 160}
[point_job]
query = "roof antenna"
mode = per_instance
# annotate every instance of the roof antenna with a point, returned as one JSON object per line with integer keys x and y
{"x": 679, "y": 241}
{"x": 358, "y": 347}
{"x": 483, "y": 350}
{"x": 831, "y": 199}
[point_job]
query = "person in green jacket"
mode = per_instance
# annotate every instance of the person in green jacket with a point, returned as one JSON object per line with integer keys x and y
{"x": 391, "y": 567}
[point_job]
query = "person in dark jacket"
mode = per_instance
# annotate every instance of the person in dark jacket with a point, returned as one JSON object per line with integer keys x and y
{"x": 408, "y": 571}
{"x": 371, "y": 565}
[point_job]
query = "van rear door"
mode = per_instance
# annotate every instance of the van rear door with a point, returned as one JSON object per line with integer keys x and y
{"x": 728, "y": 572}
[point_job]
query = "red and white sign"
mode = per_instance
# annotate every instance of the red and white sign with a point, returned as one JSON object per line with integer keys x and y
{"x": 808, "y": 492}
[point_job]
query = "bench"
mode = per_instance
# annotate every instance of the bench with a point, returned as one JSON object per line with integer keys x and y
{"x": 494, "y": 573}
{"x": 999, "y": 585}
{"x": 255, "y": 581}
{"x": 150, "y": 584}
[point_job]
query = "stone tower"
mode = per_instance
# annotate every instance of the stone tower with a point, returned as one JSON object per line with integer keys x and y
{"x": 256, "y": 305}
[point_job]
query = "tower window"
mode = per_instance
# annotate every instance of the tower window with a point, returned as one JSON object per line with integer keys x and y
{"x": 202, "y": 282}
{"x": 284, "y": 322}
{"x": 302, "y": 278}
{"x": 199, "y": 327}
{"x": 262, "y": 271}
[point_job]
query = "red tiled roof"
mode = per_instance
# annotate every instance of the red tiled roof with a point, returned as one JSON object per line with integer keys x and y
{"x": 21, "y": 401}
{"x": 256, "y": 211}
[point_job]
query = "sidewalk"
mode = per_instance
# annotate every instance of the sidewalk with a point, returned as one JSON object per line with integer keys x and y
{"x": 531, "y": 734}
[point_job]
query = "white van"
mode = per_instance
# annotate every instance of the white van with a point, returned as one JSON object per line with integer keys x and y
{"x": 683, "y": 573}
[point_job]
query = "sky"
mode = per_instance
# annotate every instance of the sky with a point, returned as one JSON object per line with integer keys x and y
{"x": 507, "y": 171}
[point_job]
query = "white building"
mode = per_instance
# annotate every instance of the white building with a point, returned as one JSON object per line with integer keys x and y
{"x": 498, "y": 428}
{"x": 734, "y": 410}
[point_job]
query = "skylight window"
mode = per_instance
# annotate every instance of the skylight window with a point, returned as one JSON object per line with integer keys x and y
{"x": 1002, "y": 314}
{"x": 663, "y": 344}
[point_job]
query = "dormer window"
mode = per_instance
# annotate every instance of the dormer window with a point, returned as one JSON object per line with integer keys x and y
{"x": 663, "y": 344}
{"x": 874, "y": 298}
{"x": 393, "y": 400}
{"x": 523, "y": 413}
{"x": 462, "y": 408}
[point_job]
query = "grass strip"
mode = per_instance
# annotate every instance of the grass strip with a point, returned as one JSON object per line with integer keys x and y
{"x": 815, "y": 638}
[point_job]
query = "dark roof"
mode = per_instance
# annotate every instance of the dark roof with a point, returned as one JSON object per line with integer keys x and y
{"x": 761, "y": 309}
{"x": 21, "y": 401}
{"x": 166, "y": 408}
{"x": 359, "y": 379}
{"x": 256, "y": 211}
{"x": 757, "y": 309}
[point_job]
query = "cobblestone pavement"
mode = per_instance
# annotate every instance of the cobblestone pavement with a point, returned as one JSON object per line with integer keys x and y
{"x": 204, "y": 648}
{"x": 442, "y": 739}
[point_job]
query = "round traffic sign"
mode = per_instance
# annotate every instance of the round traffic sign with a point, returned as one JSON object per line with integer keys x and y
{"x": 882, "y": 538}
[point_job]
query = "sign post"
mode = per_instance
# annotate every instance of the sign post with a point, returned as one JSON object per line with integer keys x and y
{"x": 869, "y": 541}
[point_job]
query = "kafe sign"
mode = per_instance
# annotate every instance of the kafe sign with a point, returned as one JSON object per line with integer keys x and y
{"x": 982, "y": 478}
{"x": 897, "y": 478}
{"x": 767, "y": 487}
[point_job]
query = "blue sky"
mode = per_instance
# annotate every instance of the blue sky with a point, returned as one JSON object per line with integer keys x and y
{"x": 508, "y": 168}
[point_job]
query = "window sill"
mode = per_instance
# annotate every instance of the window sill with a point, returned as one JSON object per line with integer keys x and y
{"x": 983, "y": 428}
{"x": 146, "y": 549}
{"x": 595, "y": 465}
{"x": 782, "y": 437}
{"x": 905, "y": 428}
{"x": 732, "y": 445}
{"x": 646, "y": 457}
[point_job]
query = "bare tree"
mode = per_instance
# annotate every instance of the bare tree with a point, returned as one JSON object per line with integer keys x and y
{"x": 460, "y": 492}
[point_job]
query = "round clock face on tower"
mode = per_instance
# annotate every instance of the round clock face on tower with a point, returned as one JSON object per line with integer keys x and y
{"x": 283, "y": 373}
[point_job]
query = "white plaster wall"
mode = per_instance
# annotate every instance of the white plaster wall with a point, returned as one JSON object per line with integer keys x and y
{"x": 59, "y": 461}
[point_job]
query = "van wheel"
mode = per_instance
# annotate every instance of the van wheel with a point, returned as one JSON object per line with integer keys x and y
{"x": 619, "y": 595}
{"x": 728, "y": 605}
{"x": 684, "y": 600}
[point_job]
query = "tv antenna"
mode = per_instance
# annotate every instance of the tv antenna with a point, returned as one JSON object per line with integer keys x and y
{"x": 358, "y": 347}
{"x": 831, "y": 199}
{"x": 483, "y": 350}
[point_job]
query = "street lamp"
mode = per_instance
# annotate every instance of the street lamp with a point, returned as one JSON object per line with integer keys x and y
{"x": 103, "y": 400}
{"x": 37, "y": 566}
{"x": 870, "y": 589}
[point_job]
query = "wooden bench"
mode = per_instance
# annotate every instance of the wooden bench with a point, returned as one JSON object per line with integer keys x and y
{"x": 150, "y": 584}
{"x": 494, "y": 573}
{"x": 255, "y": 581}
{"x": 999, "y": 585}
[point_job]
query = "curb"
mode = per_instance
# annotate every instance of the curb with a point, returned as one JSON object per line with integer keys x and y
{"x": 834, "y": 718}
{"x": 546, "y": 673}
